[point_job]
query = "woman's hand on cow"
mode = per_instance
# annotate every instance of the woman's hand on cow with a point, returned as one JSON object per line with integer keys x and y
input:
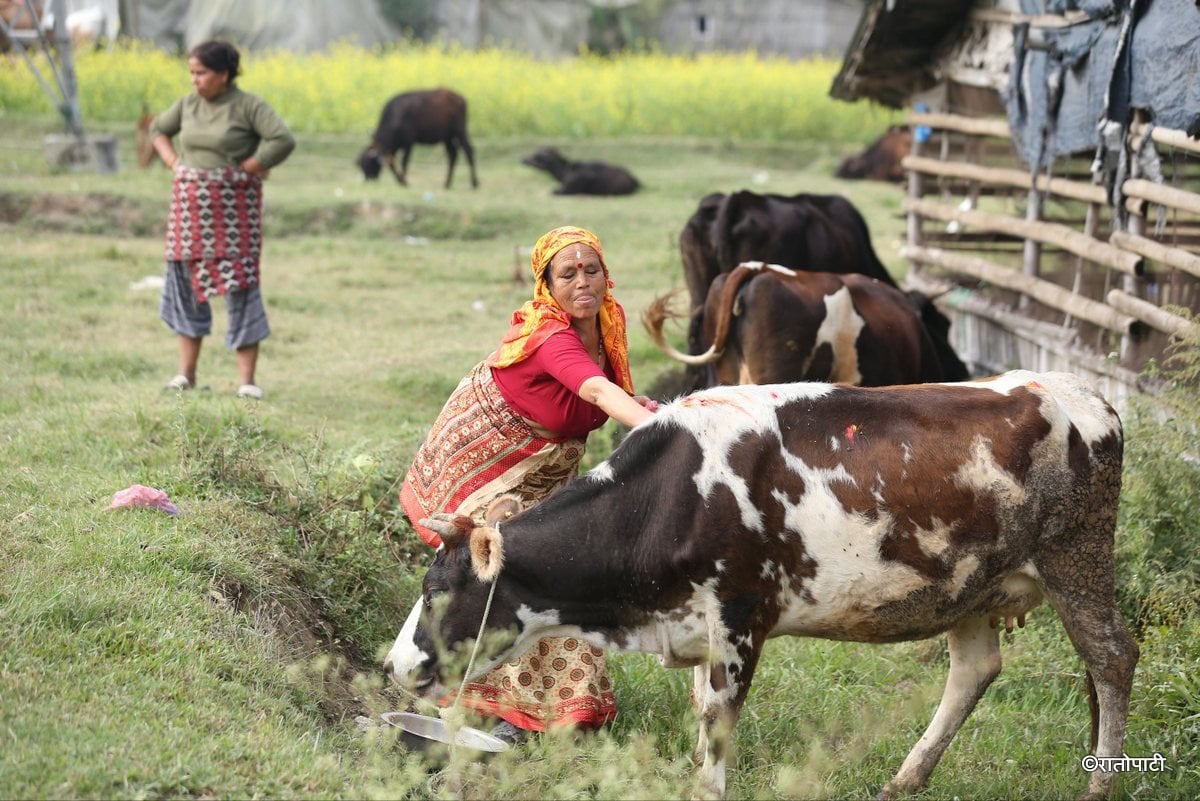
{"x": 649, "y": 404}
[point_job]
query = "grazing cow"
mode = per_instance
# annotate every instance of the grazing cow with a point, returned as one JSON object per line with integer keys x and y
{"x": 880, "y": 161}
{"x": 766, "y": 324}
{"x": 821, "y": 510}
{"x": 819, "y": 233}
{"x": 424, "y": 117}
{"x": 583, "y": 177}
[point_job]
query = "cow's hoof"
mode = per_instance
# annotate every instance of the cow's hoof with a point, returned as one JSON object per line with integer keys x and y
{"x": 894, "y": 790}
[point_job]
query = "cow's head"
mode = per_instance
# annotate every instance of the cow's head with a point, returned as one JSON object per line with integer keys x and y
{"x": 370, "y": 161}
{"x": 938, "y": 326}
{"x": 548, "y": 159}
{"x": 438, "y": 637}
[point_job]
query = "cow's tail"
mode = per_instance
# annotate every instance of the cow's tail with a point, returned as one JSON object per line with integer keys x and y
{"x": 653, "y": 318}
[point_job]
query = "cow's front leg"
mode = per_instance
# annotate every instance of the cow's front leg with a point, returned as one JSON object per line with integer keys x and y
{"x": 711, "y": 698}
{"x": 974, "y": 663}
{"x": 719, "y": 691}
{"x": 399, "y": 173}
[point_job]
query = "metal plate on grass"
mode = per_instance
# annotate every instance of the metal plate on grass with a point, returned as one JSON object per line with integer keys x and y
{"x": 436, "y": 729}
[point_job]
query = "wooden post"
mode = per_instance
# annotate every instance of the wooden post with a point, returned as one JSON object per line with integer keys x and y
{"x": 914, "y": 192}
{"x": 1031, "y": 263}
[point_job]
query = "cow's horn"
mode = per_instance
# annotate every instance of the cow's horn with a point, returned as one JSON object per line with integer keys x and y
{"x": 656, "y": 313}
{"x": 451, "y": 528}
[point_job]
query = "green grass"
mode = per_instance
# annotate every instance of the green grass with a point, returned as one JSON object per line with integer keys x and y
{"x": 226, "y": 652}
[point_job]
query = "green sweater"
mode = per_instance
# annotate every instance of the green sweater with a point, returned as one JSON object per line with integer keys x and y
{"x": 226, "y": 131}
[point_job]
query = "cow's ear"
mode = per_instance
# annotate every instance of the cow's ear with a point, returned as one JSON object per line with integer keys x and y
{"x": 487, "y": 552}
{"x": 502, "y": 509}
{"x": 451, "y": 528}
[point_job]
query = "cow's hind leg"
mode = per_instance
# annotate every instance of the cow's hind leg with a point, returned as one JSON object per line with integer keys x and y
{"x": 470, "y": 154}
{"x": 974, "y": 663}
{"x": 1098, "y": 632}
{"x": 451, "y": 157}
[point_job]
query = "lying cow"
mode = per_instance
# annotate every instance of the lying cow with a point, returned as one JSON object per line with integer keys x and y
{"x": 424, "y": 117}
{"x": 818, "y": 233}
{"x": 881, "y": 161}
{"x": 583, "y": 177}
{"x": 866, "y": 514}
{"x": 766, "y": 324}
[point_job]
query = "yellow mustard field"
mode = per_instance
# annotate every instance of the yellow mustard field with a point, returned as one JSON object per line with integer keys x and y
{"x": 738, "y": 96}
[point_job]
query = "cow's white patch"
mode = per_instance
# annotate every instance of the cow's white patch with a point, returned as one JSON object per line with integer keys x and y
{"x": 983, "y": 473}
{"x": 840, "y": 330}
{"x": 1064, "y": 395}
{"x": 405, "y": 656}
{"x": 719, "y": 417}
{"x": 602, "y": 472}
{"x": 537, "y": 619}
{"x": 963, "y": 570}
{"x": 680, "y": 636}
{"x": 934, "y": 541}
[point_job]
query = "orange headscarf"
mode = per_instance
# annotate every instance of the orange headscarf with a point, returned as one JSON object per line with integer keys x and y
{"x": 534, "y": 322}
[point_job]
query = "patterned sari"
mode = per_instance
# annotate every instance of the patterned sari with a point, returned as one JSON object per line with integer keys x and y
{"x": 478, "y": 450}
{"x": 215, "y": 227}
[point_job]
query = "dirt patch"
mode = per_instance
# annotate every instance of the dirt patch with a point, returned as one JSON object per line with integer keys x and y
{"x": 103, "y": 214}
{"x": 91, "y": 213}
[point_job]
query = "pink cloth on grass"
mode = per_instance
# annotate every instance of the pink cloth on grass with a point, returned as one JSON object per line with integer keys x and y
{"x": 138, "y": 495}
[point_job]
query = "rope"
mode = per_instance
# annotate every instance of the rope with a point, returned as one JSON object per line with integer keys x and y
{"x": 475, "y": 649}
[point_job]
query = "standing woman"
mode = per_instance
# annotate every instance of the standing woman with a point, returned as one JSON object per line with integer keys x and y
{"x": 228, "y": 142}
{"x": 517, "y": 425}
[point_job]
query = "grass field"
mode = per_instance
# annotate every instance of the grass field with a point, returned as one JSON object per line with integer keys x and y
{"x": 226, "y": 652}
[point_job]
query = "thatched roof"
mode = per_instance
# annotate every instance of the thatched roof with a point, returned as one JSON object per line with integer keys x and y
{"x": 895, "y": 47}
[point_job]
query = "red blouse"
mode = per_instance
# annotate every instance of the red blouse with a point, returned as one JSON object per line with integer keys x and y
{"x": 544, "y": 387}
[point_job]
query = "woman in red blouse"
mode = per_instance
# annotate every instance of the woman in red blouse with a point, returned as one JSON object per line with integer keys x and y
{"x": 518, "y": 424}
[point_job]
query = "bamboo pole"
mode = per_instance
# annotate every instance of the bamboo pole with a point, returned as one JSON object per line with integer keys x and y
{"x": 1041, "y": 290}
{"x": 1150, "y": 314}
{"x": 1008, "y": 176}
{"x": 956, "y": 122}
{"x": 1164, "y": 136}
{"x": 1091, "y": 249}
{"x": 1178, "y": 258}
{"x": 1164, "y": 195}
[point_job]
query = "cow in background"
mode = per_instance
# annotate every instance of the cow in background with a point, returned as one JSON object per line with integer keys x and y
{"x": 583, "y": 177}
{"x": 423, "y": 117}
{"x": 817, "y": 233}
{"x": 822, "y": 233}
{"x": 873, "y": 515}
{"x": 882, "y": 160}
{"x": 766, "y": 324}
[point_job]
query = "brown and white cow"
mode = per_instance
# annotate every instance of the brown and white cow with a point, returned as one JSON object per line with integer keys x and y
{"x": 821, "y": 510}
{"x": 814, "y": 233}
{"x": 767, "y": 324}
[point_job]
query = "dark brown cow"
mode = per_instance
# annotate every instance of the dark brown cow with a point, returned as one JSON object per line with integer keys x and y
{"x": 766, "y": 324}
{"x": 880, "y": 161}
{"x": 423, "y": 117}
{"x": 875, "y": 515}
{"x": 583, "y": 177}
{"x": 819, "y": 233}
